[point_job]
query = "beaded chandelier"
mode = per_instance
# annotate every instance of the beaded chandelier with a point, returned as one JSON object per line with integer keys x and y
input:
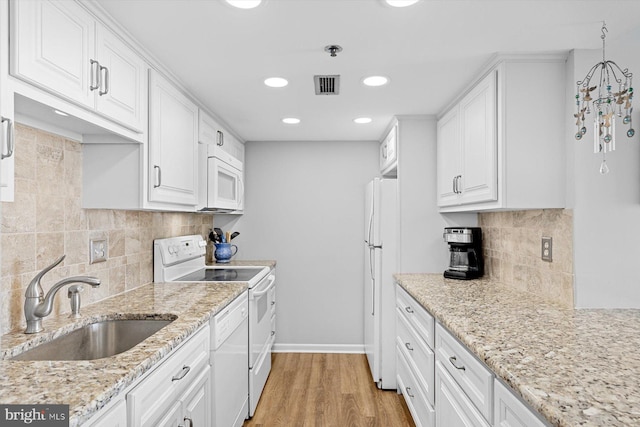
{"x": 612, "y": 97}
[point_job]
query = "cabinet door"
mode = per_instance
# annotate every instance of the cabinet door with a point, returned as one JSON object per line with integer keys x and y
{"x": 172, "y": 418}
{"x": 7, "y": 141}
{"x": 478, "y": 121}
{"x": 173, "y": 139}
{"x": 510, "y": 412}
{"x": 196, "y": 401}
{"x": 123, "y": 76}
{"x": 114, "y": 417}
{"x": 453, "y": 408}
{"x": 389, "y": 152}
{"x": 52, "y": 46}
{"x": 448, "y": 158}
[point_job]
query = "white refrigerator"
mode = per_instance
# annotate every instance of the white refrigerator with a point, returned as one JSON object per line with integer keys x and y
{"x": 380, "y": 252}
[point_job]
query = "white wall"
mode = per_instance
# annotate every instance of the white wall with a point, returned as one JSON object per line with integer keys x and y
{"x": 606, "y": 208}
{"x": 305, "y": 208}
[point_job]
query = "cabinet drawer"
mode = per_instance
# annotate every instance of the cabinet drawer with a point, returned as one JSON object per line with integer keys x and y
{"x": 509, "y": 411}
{"x": 419, "y": 356}
{"x": 164, "y": 385}
{"x": 453, "y": 407}
{"x": 420, "y": 408}
{"x": 472, "y": 376}
{"x": 418, "y": 317}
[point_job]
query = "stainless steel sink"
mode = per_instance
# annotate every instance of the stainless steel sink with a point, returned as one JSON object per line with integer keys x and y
{"x": 96, "y": 340}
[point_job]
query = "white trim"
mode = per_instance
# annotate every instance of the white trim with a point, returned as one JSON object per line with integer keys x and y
{"x": 318, "y": 348}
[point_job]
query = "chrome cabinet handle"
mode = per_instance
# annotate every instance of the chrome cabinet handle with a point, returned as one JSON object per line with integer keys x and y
{"x": 453, "y": 185}
{"x": 408, "y": 392}
{"x": 183, "y": 373}
{"x": 384, "y": 152}
{"x": 159, "y": 180}
{"x": 408, "y": 309}
{"x": 106, "y": 80}
{"x": 10, "y": 140}
{"x": 190, "y": 421}
{"x": 457, "y": 184}
{"x": 273, "y": 333}
{"x": 220, "y": 141}
{"x": 408, "y": 345}
{"x": 95, "y": 74}
{"x": 454, "y": 362}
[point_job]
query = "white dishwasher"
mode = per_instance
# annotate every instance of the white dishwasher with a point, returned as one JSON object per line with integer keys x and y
{"x": 229, "y": 361}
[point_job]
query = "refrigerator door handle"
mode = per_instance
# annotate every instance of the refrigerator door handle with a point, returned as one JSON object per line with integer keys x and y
{"x": 373, "y": 282}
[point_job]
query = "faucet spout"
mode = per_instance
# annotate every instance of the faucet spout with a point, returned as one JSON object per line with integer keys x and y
{"x": 38, "y": 306}
{"x": 43, "y": 309}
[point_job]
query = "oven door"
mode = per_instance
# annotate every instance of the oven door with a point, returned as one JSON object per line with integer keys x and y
{"x": 260, "y": 318}
{"x": 225, "y": 186}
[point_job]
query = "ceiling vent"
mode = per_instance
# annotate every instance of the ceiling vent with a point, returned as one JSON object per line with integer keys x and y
{"x": 327, "y": 85}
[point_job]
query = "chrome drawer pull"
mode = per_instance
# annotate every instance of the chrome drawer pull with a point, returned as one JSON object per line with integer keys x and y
{"x": 408, "y": 393}
{"x": 182, "y": 374}
{"x": 453, "y": 361}
{"x": 408, "y": 309}
{"x": 408, "y": 345}
{"x": 190, "y": 421}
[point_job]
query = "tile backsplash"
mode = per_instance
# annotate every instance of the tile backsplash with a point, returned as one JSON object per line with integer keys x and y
{"x": 46, "y": 220}
{"x": 512, "y": 246}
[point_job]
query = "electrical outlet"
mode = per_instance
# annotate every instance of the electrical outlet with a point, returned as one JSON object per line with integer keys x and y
{"x": 547, "y": 249}
{"x": 98, "y": 250}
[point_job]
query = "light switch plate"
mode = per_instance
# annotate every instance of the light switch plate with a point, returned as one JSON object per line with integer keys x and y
{"x": 547, "y": 249}
{"x": 98, "y": 250}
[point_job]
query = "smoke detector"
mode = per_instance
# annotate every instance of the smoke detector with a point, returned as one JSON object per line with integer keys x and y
{"x": 333, "y": 49}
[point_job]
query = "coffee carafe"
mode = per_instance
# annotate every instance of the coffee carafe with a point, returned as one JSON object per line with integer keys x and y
{"x": 465, "y": 252}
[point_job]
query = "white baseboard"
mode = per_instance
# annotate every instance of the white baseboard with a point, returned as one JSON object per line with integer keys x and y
{"x": 318, "y": 348}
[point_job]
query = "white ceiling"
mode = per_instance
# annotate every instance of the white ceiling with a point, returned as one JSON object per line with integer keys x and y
{"x": 430, "y": 51}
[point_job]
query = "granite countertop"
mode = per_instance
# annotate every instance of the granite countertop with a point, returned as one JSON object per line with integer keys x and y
{"x": 575, "y": 367}
{"x": 87, "y": 386}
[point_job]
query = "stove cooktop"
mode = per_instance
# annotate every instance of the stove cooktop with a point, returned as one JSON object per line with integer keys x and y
{"x": 221, "y": 275}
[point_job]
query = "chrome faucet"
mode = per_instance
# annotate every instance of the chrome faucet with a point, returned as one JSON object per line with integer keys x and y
{"x": 37, "y": 305}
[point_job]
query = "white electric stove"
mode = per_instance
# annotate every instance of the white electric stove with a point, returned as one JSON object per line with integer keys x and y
{"x": 182, "y": 259}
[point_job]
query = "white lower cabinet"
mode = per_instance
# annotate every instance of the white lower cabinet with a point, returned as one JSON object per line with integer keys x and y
{"x": 177, "y": 391}
{"x": 443, "y": 382}
{"x": 509, "y": 411}
{"x": 415, "y": 358}
{"x": 453, "y": 407}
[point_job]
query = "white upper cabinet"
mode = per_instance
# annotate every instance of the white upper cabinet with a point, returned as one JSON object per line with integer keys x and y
{"x": 221, "y": 144}
{"x": 61, "y": 47}
{"x": 389, "y": 153}
{"x": 494, "y": 141}
{"x": 467, "y": 171}
{"x": 173, "y": 144}
{"x": 122, "y": 81}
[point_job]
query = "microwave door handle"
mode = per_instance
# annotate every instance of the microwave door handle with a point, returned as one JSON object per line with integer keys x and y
{"x": 272, "y": 281}
{"x": 241, "y": 190}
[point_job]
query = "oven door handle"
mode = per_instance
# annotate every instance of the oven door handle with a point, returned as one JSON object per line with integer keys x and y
{"x": 272, "y": 282}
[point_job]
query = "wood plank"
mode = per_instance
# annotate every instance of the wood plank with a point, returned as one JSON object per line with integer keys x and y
{"x": 326, "y": 390}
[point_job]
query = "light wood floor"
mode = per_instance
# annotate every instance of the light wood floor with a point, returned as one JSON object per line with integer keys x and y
{"x": 326, "y": 390}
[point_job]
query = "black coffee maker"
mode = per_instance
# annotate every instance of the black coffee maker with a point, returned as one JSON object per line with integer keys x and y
{"x": 465, "y": 247}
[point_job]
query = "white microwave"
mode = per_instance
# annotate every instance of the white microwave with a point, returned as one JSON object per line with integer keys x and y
{"x": 221, "y": 181}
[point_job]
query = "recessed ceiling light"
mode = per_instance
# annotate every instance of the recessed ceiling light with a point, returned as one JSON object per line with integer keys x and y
{"x": 244, "y": 4}
{"x": 60, "y": 113}
{"x": 400, "y": 3}
{"x": 375, "y": 80}
{"x": 291, "y": 120}
{"x": 362, "y": 120}
{"x": 276, "y": 82}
